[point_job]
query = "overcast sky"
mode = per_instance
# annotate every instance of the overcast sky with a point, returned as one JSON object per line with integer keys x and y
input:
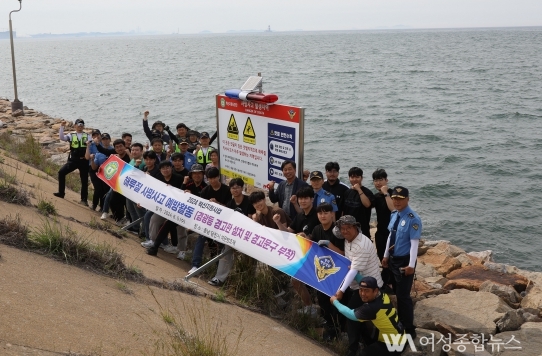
{"x": 167, "y": 16}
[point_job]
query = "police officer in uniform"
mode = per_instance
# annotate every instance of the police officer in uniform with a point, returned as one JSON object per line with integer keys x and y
{"x": 401, "y": 254}
{"x": 76, "y": 159}
{"x": 321, "y": 196}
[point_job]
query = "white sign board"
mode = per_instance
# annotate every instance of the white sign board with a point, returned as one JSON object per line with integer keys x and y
{"x": 255, "y": 138}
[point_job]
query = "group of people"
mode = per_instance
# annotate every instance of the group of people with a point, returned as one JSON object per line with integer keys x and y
{"x": 324, "y": 209}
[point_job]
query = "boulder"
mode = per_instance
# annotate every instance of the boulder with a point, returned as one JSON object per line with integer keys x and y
{"x": 486, "y": 256}
{"x": 425, "y": 271}
{"x": 501, "y": 267}
{"x": 510, "y": 321}
{"x": 425, "y": 343}
{"x": 436, "y": 281}
{"x": 507, "y": 293}
{"x": 534, "y": 277}
{"x": 467, "y": 349}
{"x": 472, "y": 277}
{"x": 468, "y": 260}
{"x": 448, "y": 249}
{"x": 533, "y": 299}
{"x": 442, "y": 263}
{"x": 526, "y": 341}
{"x": 463, "y": 310}
{"x": 434, "y": 243}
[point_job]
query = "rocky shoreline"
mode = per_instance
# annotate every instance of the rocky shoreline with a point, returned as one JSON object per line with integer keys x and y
{"x": 458, "y": 295}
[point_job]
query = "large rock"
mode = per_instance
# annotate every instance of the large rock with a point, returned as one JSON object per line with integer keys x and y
{"x": 468, "y": 260}
{"x": 486, "y": 256}
{"x": 426, "y": 271}
{"x": 472, "y": 277}
{"x": 424, "y": 345}
{"x": 442, "y": 263}
{"x": 448, "y": 249}
{"x": 507, "y": 293}
{"x": 463, "y": 310}
{"x": 533, "y": 299}
{"x": 528, "y": 338}
{"x": 510, "y": 321}
{"x": 468, "y": 349}
{"x": 534, "y": 277}
{"x": 434, "y": 243}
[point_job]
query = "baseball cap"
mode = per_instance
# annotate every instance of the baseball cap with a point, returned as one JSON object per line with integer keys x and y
{"x": 196, "y": 168}
{"x": 96, "y": 132}
{"x": 399, "y": 192}
{"x": 204, "y": 134}
{"x": 183, "y": 141}
{"x": 347, "y": 220}
{"x": 106, "y": 136}
{"x": 155, "y": 133}
{"x": 79, "y": 121}
{"x": 316, "y": 174}
{"x": 192, "y": 132}
{"x": 368, "y": 282}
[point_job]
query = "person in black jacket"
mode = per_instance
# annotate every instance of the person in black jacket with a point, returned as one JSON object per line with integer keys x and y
{"x": 158, "y": 127}
{"x": 286, "y": 190}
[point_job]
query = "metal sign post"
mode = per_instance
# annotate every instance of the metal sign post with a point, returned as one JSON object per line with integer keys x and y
{"x": 15, "y": 104}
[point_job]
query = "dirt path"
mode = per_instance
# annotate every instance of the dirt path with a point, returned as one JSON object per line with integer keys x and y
{"x": 47, "y": 307}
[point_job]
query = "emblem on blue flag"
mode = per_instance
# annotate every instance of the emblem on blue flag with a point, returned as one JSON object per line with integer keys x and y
{"x": 324, "y": 267}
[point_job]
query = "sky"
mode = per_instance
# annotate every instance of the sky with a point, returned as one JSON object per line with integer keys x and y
{"x": 169, "y": 16}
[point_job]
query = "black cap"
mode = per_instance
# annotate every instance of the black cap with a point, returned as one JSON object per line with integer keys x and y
{"x": 368, "y": 282}
{"x": 316, "y": 174}
{"x": 182, "y": 125}
{"x": 196, "y": 168}
{"x": 95, "y": 132}
{"x": 105, "y": 135}
{"x": 183, "y": 141}
{"x": 399, "y": 192}
{"x": 79, "y": 121}
{"x": 204, "y": 134}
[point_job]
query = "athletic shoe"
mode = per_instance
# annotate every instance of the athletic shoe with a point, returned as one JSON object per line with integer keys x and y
{"x": 60, "y": 195}
{"x": 216, "y": 282}
{"x": 152, "y": 251}
{"x": 84, "y": 203}
{"x": 148, "y": 243}
{"x": 192, "y": 270}
{"x": 181, "y": 255}
{"x": 104, "y": 216}
{"x": 163, "y": 246}
{"x": 93, "y": 207}
{"x": 171, "y": 249}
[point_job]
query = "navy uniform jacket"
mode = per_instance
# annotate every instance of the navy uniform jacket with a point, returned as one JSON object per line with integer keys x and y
{"x": 409, "y": 228}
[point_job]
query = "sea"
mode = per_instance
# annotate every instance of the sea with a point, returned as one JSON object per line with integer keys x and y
{"x": 455, "y": 115}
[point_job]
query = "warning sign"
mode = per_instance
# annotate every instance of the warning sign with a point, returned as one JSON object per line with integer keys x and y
{"x": 233, "y": 130}
{"x": 249, "y": 136}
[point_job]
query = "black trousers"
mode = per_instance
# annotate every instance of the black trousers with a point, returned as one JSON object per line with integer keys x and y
{"x": 117, "y": 205}
{"x": 357, "y": 331}
{"x": 70, "y": 166}
{"x": 401, "y": 286}
{"x": 167, "y": 227}
{"x": 100, "y": 189}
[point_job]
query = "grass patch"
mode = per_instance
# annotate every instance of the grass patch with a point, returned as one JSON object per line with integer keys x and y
{"x": 14, "y": 195}
{"x": 124, "y": 288}
{"x": 195, "y": 331}
{"x": 46, "y": 207}
{"x": 7, "y": 177}
{"x": 106, "y": 226}
{"x": 29, "y": 151}
{"x": 62, "y": 243}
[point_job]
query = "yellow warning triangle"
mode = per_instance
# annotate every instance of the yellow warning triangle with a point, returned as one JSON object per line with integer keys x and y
{"x": 232, "y": 125}
{"x": 249, "y": 129}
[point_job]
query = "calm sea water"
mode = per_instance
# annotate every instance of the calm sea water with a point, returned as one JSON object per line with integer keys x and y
{"x": 455, "y": 115}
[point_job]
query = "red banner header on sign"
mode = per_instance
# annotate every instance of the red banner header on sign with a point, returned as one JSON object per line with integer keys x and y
{"x": 275, "y": 111}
